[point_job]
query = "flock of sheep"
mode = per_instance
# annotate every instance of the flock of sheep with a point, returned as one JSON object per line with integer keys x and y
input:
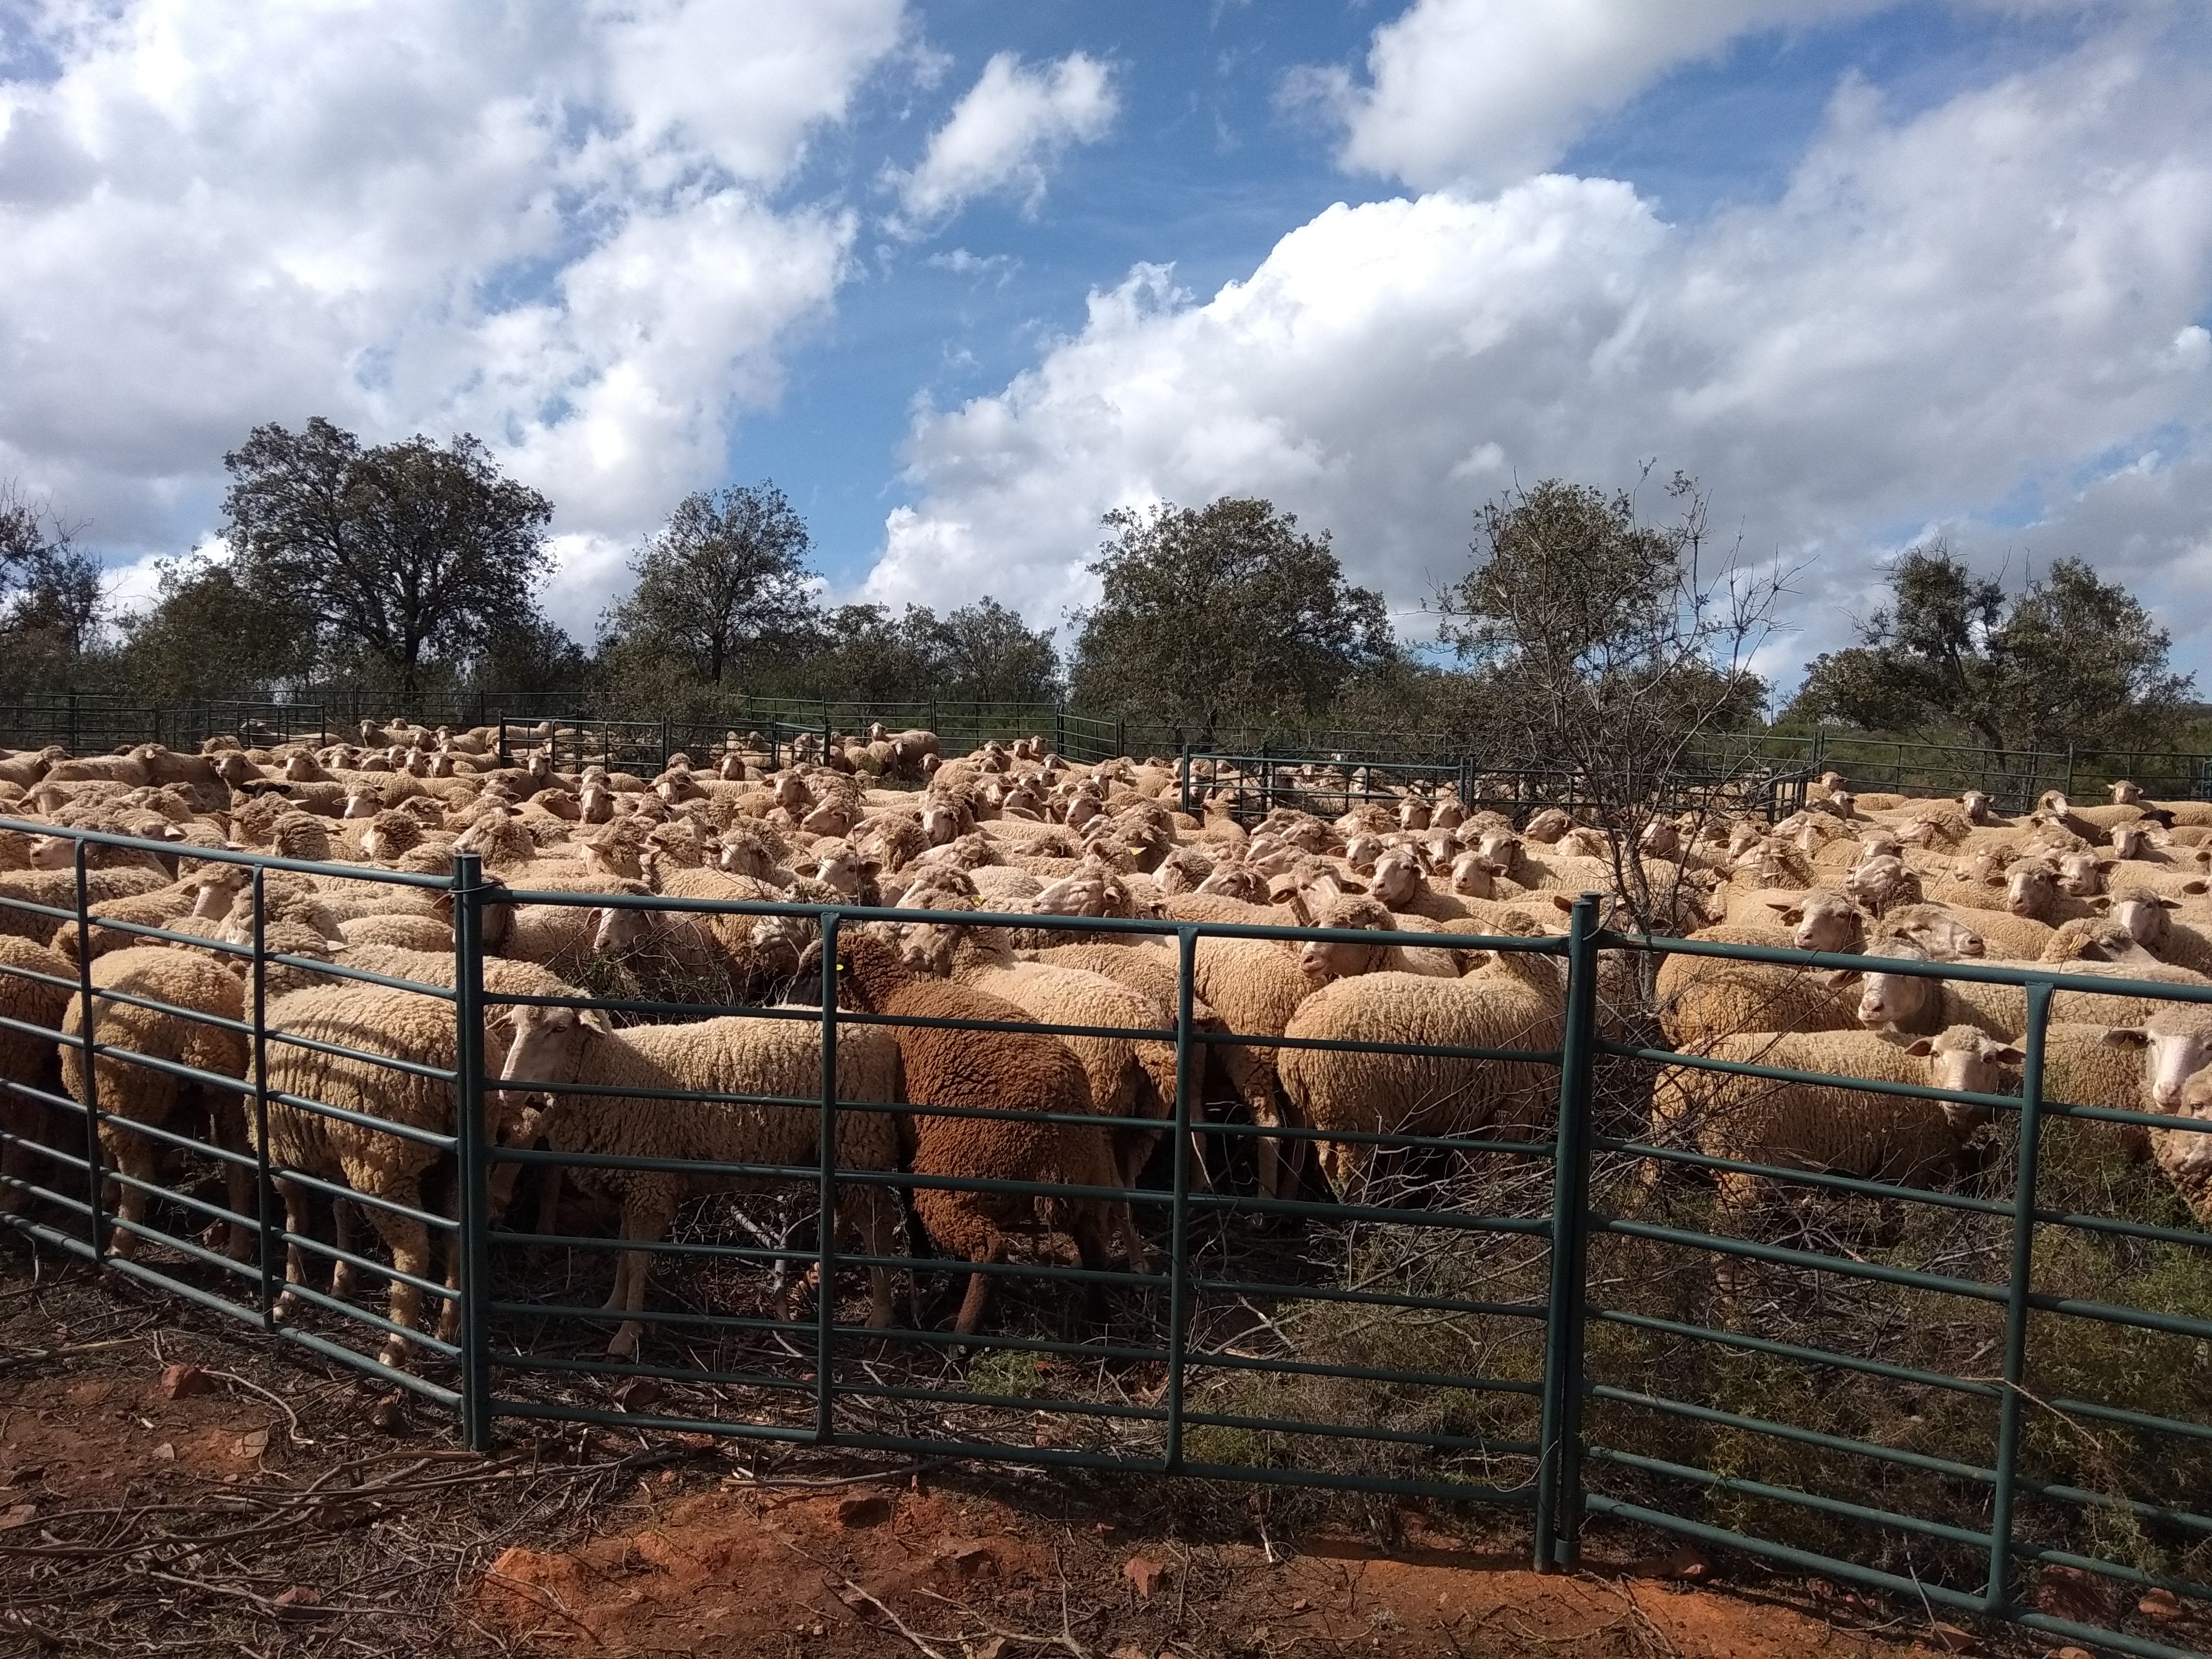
{"x": 1402, "y": 879}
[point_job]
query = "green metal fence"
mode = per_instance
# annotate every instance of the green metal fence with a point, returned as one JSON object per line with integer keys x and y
{"x": 1255, "y": 783}
{"x": 1942, "y": 1393}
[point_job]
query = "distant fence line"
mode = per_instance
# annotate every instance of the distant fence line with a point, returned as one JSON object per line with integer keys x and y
{"x": 92, "y": 722}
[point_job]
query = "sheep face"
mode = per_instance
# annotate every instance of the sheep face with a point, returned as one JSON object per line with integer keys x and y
{"x": 1397, "y": 878}
{"x": 1977, "y": 805}
{"x": 1447, "y": 814}
{"x": 1822, "y": 921}
{"x": 845, "y": 870}
{"x": 1412, "y": 813}
{"x": 53, "y": 852}
{"x": 2031, "y": 889}
{"x": 1548, "y": 825}
{"x": 2148, "y": 916}
{"x": 546, "y": 1047}
{"x": 2127, "y": 793}
{"x": 1362, "y": 850}
{"x": 2177, "y": 1041}
{"x": 1945, "y": 939}
{"x": 2081, "y": 875}
{"x": 1969, "y": 1062}
{"x": 1472, "y": 877}
{"x": 1879, "y": 883}
{"x": 2186, "y": 1157}
{"x": 1660, "y": 839}
{"x": 928, "y": 947}
{"x": 1894, "y": 998}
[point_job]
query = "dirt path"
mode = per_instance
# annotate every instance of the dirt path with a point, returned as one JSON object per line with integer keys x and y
{"x": 168, "y": 1485}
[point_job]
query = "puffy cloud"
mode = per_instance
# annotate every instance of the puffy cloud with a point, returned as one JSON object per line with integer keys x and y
{"x": 557, "y": 226}
{"x": 1002, "y": 134}
{"x": 1480, "y": 93}
{"x": 1976, "y": 320}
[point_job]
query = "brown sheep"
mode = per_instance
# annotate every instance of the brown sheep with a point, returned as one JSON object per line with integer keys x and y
{"x": 998, "y": 1071}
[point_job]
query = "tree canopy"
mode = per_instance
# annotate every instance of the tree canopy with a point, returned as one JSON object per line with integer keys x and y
{"x": 395, "y": 553}
{"x": 2070, "y": 658}
{"x": 1226, "y": 608}
{"x": 51, "y": 601}
{"x": 725, "y": 575}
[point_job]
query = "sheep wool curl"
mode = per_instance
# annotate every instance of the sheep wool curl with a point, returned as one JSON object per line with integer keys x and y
{"x": 1701, "y": 1000}
{"x": 1832, "y": 1126}
{"x": 193, "y": 991}
{"x": 30, "y": 1060}
{"x": 375, "y": 1023}
{"x": 1514, "y": 1000}
{"x": 999, "y": 1072}
{"x": 56, "y": 890}
{"x": 735, "y": 1055}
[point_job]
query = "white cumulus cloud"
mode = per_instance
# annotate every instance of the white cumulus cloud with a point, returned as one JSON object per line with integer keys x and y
{"x": 1003, "y": 133}
{"x": 561, "y": 227}
{"x": 1977, "y": 319}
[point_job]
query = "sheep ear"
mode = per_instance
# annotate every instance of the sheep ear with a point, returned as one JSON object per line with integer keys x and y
{"x": 2169, "y": 905}
{"x": 2106, "y": 866}
{"x": 1836, "y": 978}
{"x": 1921, "y": 1047}
{"x": 2008, "y": 1055}
{"x": 1559, "y": 901}
{"x": 2196, "y": 886}
{"x": 595, "y": 1019}
{"x": 1993, "y": 881}
{"x": 2128, "y": 1037}
{"x": 2101, "y": 904}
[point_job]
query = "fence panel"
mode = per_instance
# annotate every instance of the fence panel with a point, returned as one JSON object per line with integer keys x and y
{"x": 1625, "y": 1284}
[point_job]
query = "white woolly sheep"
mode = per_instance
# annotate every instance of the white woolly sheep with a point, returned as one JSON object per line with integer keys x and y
{"x": 553, "y": 1047}
{"x": 373, "y": 1022}
{"x": 29, "y": 1061}
{"x": 1514, "y": 1000}
{"x": 1833, "y": 1127}
{"x": 194, "y": 992}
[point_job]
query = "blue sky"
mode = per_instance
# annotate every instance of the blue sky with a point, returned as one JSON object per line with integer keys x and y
{"x": 961, "y": 277}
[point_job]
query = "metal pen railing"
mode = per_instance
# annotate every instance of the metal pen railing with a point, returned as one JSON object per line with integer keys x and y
{"x": 1603, "y": 1363}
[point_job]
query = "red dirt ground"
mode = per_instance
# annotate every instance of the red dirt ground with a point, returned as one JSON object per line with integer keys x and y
{"x": 281, "y": 1507}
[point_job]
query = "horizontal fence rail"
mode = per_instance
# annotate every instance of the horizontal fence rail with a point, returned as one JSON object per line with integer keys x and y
{"x": 1540, "y": 1262}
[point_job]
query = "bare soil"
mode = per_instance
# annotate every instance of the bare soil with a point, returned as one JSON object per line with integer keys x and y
{"x": 262, "y": 1503}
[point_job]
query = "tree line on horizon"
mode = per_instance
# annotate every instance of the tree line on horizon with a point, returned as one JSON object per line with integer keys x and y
{"x": 415, "y": 567}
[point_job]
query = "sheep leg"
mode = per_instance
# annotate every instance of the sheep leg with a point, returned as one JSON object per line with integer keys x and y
{"x": 345, "y": 1235}
{"x": 137, "y": 1157}
{"x": 979, "y": 1285}
{"x": 238, "y": 1182}
{"x": 1091, "y": 1224}
{"x": 408, "y": 1239}
{"x": 641, "y": 1224}
{"x": 872, "y": 1217}
{"x": 295, "y": 1199}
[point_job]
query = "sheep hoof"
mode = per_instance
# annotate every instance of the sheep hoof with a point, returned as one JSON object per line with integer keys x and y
{"x": 395, "y": 1354}
{"x": 623, "y": 1345}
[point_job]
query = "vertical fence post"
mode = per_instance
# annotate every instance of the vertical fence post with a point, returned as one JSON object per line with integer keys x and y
{"x": 1059, "y": 727}
{"x": 1185, "y": 804}
{"x": 1179, "y": 1227}
{"x": 825, "y": 1231}
{"x": 1997, "y": 1597}
{"x": 92, "y": 1171}
{"x": 1558, "y": 1443}
{"x": 263, "y": 1185}
{"x": 1121, "y": 737}
{"x": 470, "y": 1243}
